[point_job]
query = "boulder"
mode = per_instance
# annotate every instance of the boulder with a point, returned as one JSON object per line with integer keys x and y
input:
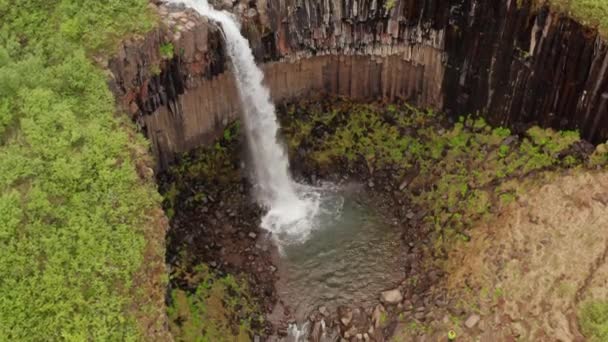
{"x": 472, "y": 321}
{"x": 391, "y": 297}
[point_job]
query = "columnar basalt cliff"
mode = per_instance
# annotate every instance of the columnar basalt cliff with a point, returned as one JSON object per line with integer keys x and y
{"x": 511, "y": 61}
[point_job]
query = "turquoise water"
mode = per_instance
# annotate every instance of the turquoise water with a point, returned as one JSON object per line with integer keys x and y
{"x": 348, "y": 260}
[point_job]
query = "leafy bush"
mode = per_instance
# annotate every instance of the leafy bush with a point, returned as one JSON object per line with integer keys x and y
{"x": 72, "y": 205}
{"x": 207, "y": 313}
{"x": 166, "y": 50}
{"x": 588, "y": 12}
{"x": 593, "y": 319}
{"x": 466, "y": 168}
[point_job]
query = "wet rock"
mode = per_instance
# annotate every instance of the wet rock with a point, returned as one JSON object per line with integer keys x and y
{"x": 510, "y": 140}
{"x": 403, "y": 185}
{"x": 317, "y": 331}
{"x": 351, "y": 332}
{"x": 391, "y": 296}
{"x": 345, "y": 314}
{"x": 472, "y": 321}
{"x": 379, "y": 311}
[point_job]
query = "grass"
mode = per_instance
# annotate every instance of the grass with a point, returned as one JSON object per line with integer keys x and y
{"x": 216, "y": 163}
{"x": 593, "y": 320}
{"x": 75, "y": 212}
{"x": 587, "y": 12}
{"x": 167, "y": 51}
{"x": 467, "y": 170}
{"x": 208, "y": 312}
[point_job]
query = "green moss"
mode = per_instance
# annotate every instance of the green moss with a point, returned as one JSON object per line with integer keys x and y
{"x": 593, "y": 320}
{"x": 220, "y": 308}
{"x": 389, "y": 5}
{"x": 217, "y": 163}
{"x": 461, "y": 167}
{"x": 166, "y": 50}
{"x": 74, "y": 211}
{"x": 588, "y": 12}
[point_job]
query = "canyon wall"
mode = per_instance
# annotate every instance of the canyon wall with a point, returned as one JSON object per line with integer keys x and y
{"x": 508, "y": 60}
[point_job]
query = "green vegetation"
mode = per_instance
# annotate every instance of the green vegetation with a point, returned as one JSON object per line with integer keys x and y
{"x": 593, "y": 320}
{"x": 74, "y": 210}
{"x": 389, "y": 5}
{"x": 588, "y": 12}
{"x": 206, "y": 313}
{"x": 459, "y": 173}
{"x": 217, "y": 163}
{"x": 57, "y": 26}
{"x": 166, "y": 50}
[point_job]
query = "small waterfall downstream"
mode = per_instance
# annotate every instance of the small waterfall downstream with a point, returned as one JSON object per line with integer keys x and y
{"x": 292, "y": 207}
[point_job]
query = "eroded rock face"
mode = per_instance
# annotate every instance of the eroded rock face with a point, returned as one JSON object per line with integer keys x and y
{"x": 510, "y": 62}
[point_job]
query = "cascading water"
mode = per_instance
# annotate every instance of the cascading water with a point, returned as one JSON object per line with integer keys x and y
{"x": 292, "y": 207}
{"x": 325, "y": 265}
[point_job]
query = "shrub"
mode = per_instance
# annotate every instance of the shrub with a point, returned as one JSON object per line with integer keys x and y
{"x": 73, "y": 208}
{"x": 593, "y": 319}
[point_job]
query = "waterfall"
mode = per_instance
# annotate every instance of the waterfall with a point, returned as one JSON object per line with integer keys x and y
{"x": 291, "y": 206}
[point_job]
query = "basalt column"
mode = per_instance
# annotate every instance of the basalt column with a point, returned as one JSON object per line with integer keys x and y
{"x": 508, "y": 60}
{"x": 518, "y": 65}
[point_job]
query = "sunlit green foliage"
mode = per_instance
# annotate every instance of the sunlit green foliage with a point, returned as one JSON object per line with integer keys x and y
{"x": 207, "y": 313}
{"x": 56, "y": 26}
{"x": 464, "y": 169}
{"x": 588, "y": 12}
{"x": 593, "y": 319}
{"x": 73, "y": 208}
{"x": 166, "y": 50}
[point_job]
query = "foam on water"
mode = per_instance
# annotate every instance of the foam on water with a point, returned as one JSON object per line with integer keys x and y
{"x": 292, "y": 208}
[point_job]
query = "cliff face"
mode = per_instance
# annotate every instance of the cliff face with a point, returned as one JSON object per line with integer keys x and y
{"x": 511, "y": 63}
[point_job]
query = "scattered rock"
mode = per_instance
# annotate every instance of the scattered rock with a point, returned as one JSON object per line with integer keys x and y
{"x": 377, "y": 315}
{"x": 472, "y": 321}
{"x": 510, "y": 140}
{"x": 350, "y": 332}
{"x": 602, "y": 198}
{"x": 403, "y": 185}
{"x": 346, "y": 315}
{"x": 253, "y": 235}
{"x": 317, "y": 331}
{"x": 391, "y": 296}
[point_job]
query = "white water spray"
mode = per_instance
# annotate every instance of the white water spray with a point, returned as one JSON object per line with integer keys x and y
{"x": 291, "y": 207}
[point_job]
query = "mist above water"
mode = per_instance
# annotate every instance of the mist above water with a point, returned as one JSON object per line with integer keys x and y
{"x": 292, "y": 207}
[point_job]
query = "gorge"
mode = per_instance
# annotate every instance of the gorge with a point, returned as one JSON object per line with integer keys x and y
{"x": 513, "y": 63}
{"x": 299, "y": 170}
{"x": 529, "y": 65}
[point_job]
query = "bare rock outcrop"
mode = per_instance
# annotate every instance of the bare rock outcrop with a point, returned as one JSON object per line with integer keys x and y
{"x": 508, "y": 60}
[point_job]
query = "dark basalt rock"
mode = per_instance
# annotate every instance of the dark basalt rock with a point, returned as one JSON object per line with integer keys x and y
{"x": 511, "y": 63}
